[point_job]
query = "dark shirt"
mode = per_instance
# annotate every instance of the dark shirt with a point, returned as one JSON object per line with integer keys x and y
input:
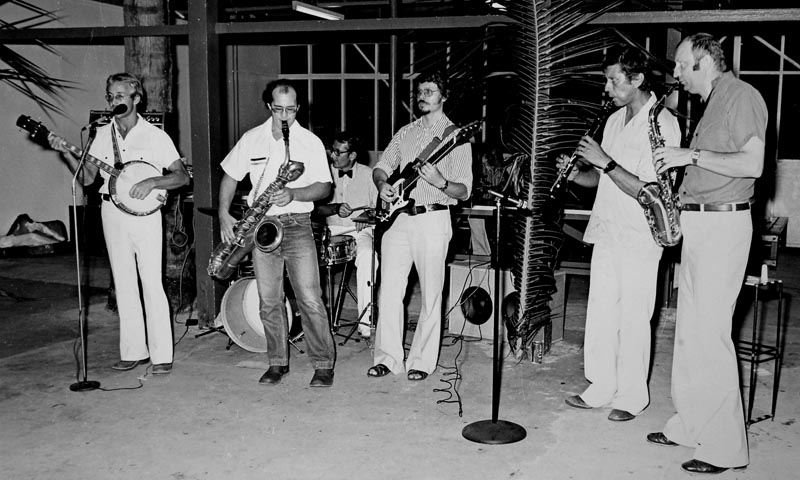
{"x": 735, "y": 113}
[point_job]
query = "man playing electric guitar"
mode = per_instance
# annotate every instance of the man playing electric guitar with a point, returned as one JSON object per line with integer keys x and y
{"x": 134, "y": 242}
{"x": 419, "y": 235}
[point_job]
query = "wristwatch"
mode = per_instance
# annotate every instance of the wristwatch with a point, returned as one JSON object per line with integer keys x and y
{"x": 444, "y": 187}
{"x": 695, "y": 155}
{"x": 610, "y": 166}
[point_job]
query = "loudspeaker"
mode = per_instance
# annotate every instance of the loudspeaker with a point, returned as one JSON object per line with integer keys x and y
{"x": 472, "y": 291}
{"x": 472, "y": 283}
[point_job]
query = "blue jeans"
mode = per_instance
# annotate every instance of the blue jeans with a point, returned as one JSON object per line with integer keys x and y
{"x": 298, "y": 253}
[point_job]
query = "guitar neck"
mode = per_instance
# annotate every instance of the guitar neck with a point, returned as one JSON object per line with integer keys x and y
{"x": 94, "y": 161}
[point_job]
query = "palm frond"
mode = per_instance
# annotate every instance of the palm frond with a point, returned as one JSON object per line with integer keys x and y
{"x": 25, "y": 76}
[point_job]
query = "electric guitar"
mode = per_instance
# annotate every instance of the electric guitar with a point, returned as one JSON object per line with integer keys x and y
{"x": 122, "y": 179}
{"x": 404, "y": 181}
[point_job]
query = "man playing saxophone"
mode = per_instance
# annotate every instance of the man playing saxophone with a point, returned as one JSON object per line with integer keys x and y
{"x": 725, "y": 157}
{"x": 625, "y": 256}
{"x": 260, "y": 153}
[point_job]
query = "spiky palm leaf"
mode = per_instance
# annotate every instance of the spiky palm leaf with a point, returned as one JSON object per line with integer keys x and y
{"x": 553, "y": 48}
{"x": 23, "y": 75}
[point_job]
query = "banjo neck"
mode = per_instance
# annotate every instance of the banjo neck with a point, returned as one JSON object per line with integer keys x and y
{"x": 94, "y": 161}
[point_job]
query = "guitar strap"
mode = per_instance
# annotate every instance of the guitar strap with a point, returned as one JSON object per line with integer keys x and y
{"x": 117, "y": 157}
{"x": 434, "y": 143}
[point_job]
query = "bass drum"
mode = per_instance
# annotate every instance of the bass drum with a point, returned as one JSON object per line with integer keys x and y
{"x": 239, "y": 315}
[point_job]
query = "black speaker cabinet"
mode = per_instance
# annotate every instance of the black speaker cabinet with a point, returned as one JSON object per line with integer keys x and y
{"x": 472, "y": 284}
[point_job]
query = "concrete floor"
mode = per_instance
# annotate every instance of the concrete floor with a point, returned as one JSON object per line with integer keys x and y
{"x": 210, "y": 419}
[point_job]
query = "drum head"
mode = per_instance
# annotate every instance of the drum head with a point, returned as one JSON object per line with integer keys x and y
{"x": 240, "y": 316}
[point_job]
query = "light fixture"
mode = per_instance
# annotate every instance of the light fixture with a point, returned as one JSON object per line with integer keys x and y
{"x": 316, "y": 11}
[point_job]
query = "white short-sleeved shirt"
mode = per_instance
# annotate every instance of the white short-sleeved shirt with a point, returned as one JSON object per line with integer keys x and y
{"x": 260, "y": 155}
{"x": 144, "y": 142}
{"x": 617, "y": 218}
{"x": 357, "y": 191}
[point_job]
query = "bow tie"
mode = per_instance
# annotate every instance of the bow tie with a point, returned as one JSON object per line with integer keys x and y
{"x": 348, "y": 173}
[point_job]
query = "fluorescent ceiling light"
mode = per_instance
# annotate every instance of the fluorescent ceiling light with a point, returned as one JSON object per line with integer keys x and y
{"x": 316, "y": 11}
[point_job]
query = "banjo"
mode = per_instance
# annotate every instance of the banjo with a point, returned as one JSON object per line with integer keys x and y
{"x": 121, "y": 179}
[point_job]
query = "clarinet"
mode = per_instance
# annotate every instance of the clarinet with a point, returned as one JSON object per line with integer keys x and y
{"x": 591, "y": 132}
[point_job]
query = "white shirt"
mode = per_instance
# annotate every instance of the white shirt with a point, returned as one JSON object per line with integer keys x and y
{"x": 260, "y": 155}
{"x": 356, "y": 192}
{"x": 617, "y": 218}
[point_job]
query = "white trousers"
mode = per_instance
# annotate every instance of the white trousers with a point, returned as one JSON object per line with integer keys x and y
{"x": 364, "y": 251}
{"x": 420, "y": 241}
{"x": 616, "y": 355}
{"x": 134, "y": 247}
{"x": 705, "y": 375}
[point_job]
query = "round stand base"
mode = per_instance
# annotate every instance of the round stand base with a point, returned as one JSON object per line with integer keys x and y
{"x": 84, "y": 386}
{"x": 494, "y": 433}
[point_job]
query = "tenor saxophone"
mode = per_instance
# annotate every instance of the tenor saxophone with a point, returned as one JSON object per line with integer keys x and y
{"x": 659, "y": 199}
{"x": 227, "y": 255}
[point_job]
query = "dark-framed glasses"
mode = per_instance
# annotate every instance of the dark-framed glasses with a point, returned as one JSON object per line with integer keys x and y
{"x": 277, "y": 109}
{"x": 337, "y": 153}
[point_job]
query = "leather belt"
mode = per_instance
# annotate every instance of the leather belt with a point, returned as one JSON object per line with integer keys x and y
{"x": 719, "y": 207}
{"x": 105, "y": 197}
{"x": 426, "y": 208}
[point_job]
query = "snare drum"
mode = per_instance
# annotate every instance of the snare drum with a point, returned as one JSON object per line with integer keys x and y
{"x": 342, "y": 249}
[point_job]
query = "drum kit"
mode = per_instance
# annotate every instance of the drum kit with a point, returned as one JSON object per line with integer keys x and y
{"x": 239, "y": 315}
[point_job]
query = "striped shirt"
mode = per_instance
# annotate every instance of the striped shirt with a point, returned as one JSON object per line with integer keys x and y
{"x": 406, "y": 145}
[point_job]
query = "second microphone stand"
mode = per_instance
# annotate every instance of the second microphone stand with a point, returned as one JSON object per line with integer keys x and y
{"x": 495, "y": 431}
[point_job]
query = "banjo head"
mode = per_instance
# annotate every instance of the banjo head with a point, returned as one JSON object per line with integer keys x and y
{"x": 120, "y": 186}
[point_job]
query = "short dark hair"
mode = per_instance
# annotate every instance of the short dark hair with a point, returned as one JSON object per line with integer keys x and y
{"x": 128, "y": 78}
{"x": 435, "y": 77}
{"x": 282, "y": 85}
{"x": 631, "y": 60}
{"x": 354, "y": 145}
{"x": 704, "y": 43}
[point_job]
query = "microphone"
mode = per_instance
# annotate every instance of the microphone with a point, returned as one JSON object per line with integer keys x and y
{"x": 521, "y": 205}
{"x": 106, "y": 117}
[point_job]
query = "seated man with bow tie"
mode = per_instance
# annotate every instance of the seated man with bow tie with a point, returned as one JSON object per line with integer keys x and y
{"x": 353, "y": 190}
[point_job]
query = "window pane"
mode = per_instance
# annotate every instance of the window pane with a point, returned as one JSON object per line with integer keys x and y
{"x": 325, "y": 58}
{"x": 756, "y": 56}
{"x": 293, "y": 59}
{"x": 360, "y": 109}
{"x": 788, "y": 146}
{"x": 324, "y": 108}
{"x": 355, "y": 58}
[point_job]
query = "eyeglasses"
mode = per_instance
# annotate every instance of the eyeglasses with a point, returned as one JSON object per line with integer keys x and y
{"x": 337, "y": 153}
{"x": 118, "y": 97}
{"x": 426, "y": 92}
{"x": 276, "y": 109}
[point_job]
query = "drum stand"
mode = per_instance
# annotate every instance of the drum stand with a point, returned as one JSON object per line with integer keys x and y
{"x": 335, "y": 303}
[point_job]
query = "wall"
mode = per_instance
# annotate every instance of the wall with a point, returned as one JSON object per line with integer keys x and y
{"x": 35, "y": 180}
{"x": 787, "y": 198}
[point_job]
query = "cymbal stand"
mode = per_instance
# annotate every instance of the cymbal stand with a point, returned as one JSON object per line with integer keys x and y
{"x": 369, "y": 307}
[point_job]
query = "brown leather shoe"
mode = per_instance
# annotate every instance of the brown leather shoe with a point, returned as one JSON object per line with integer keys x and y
{"x": 660, "y": 439}
{"x": 274, "y": 374}
{"x": 323, "y": 377}
{"x": 162, "y": 368}
{"x": 617, "y": 415}
{"x": 576, "y": 401}
{"x": 125, "y": 365}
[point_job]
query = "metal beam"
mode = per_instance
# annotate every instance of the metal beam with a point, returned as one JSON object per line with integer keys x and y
{"x": 678, "y": 17}
{"x": 90, "y": 33}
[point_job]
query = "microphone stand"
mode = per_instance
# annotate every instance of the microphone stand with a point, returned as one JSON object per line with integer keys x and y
{"x": 81, "y": 385}
{"x": 494, "y": 431}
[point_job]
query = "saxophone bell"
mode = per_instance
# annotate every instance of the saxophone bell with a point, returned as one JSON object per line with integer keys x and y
{"x": 268, "y": 235}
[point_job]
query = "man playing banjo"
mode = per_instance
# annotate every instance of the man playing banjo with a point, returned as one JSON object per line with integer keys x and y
{"x": 134, "y": 240}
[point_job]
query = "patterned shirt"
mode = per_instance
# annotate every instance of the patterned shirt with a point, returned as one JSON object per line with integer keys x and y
{"x": 409, "y": 142}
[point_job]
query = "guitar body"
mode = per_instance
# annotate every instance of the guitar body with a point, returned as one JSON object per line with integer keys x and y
{"x": 120, "y": 186}
{"x": 120, "y": 181}
{"x": 405, "y": 180}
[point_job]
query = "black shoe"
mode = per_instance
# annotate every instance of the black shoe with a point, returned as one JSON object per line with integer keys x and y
{"x": 125, "y": 365}
{"x": 699, "y": 466}
{"x": 323, "y": 377}
{"x": 274, "y": 374}
{"x": 660, "y": 439}
{"x": 379, "y": 370}
{"x": 620, "y": 415}
{"x": 162, "y": 368}
{"x": 577, "y": 402}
